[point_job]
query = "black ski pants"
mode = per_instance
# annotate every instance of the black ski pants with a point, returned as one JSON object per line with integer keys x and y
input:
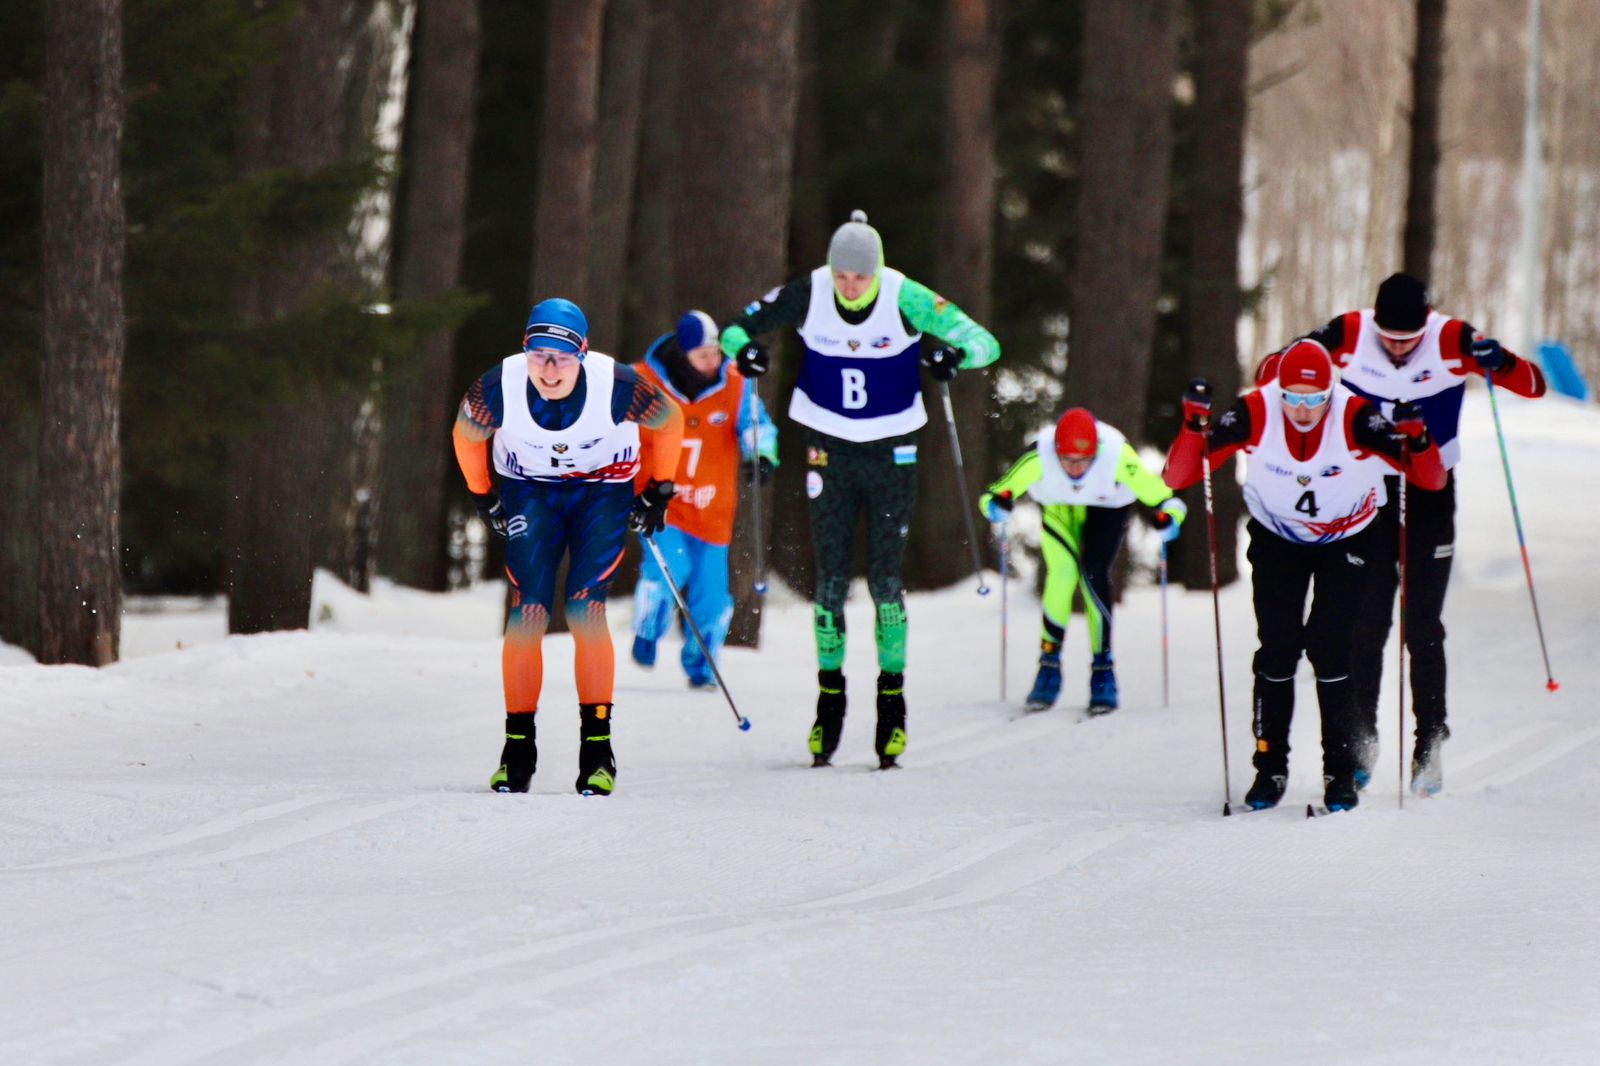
{"x": 1430, "y": 550}
{"x": 846, "y": 482}
{"x": 1282, "y": 573}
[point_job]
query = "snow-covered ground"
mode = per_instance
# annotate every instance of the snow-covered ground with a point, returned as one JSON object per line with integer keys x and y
{"x": 281, "y": 849}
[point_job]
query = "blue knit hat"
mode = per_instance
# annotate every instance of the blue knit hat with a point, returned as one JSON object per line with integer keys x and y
{"x": 696, "y": 330}
{"x": 556, "y": 324}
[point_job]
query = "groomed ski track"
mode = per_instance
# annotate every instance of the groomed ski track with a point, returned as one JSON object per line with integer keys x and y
{"x": 281, "y": 849}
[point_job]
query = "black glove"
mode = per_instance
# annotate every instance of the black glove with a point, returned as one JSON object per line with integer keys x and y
{"x": 649, "y": 514}
{"x": 1488, "y": 354}
{"x": 1408, "y": 420}
{"x": 1197, "y": 404}
{"x": 763, "y": 468}
{"x": 754, "y": 360}
{"x": 492, "y": 511}
{"x": 942, "y": 361}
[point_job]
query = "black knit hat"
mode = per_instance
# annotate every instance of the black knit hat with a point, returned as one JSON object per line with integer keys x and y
{"x": 1402, "y": 305}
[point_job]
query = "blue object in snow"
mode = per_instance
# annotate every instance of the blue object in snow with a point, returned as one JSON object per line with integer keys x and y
{"x": 1561, "y": 371}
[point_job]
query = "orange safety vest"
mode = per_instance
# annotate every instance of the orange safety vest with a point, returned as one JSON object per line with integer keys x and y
{"x": 707, "y": 479}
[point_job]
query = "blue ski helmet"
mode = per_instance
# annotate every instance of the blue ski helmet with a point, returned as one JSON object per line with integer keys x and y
{"x": 558, "y": 324}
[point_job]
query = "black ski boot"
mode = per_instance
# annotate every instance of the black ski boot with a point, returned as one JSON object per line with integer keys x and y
{"x": 1267, "y": 790}
{"x": 891, "y": 740}
{"x": 1339, "y": 792}
{"x": 519, "y": 757}
{"x": 597, "y": 767}
{"x": 1427, "y": 766}
{"x": 830, "y": 716}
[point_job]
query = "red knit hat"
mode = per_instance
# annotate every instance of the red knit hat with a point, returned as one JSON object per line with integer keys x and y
{"x": 1306, "y": 363}
{"x": 1076, "y": 434}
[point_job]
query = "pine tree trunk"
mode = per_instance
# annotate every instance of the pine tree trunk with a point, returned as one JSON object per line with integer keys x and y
{"x": 85, "y": 335}
{"x": 1125, "y": 144}
{"x": 736, "y": 117}
{"x": 277, "y": 504}
{"x": 627, "y": 46}
{"x": 1211, "y": 303}
{"x": 649, "y": 265}
{"x": 567, "y": 150}
{"x": 1427, "y": 72}
{"x": 938, "y": 554}
{"x": 418, "y": 403}
{"x": 19, "y": 508}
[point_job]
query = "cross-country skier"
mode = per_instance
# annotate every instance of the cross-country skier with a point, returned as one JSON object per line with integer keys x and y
{"x": 1403, "y": 350}
{"x": 724, "y": 420}
{"x": 568, "y": 430}
{"x": 1314, "y": 482}
{"x": 1085, "y": 477}
{"x": 860, "y": 398}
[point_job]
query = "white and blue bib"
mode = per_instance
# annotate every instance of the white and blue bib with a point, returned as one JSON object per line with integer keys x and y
{"x": 1425, "y": 378}
{"x": 858, "y": 383}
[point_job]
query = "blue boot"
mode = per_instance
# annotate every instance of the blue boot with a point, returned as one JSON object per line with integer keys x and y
{"x": 1047, "y": 684}
{"x": 644, "y": 651}
{"x": 1102, "y": 685}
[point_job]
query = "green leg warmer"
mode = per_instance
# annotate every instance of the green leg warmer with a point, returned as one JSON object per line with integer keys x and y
{"x": 830, "y": 639}
{"x": 891, "y": 634}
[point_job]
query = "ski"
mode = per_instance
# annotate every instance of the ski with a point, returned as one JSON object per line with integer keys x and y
{"x": 1317, "y": 810}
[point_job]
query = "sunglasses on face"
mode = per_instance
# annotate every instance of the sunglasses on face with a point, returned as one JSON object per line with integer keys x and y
{"x": 1306, "y": 399}
{"x": 547, "y": 357}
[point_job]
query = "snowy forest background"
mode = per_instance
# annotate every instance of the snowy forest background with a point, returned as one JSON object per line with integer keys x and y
{"x": 240, "y": 297}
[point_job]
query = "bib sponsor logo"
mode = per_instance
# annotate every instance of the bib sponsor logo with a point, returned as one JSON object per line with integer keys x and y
{"x": 590, "y": 443}
{"x": 1303, "y": 479}
{"x": 1331, "y": 471}
{"x": 816, "y": 456}
{"x": 1370, "y": 370}
{"x": 853, "y": 344}
{"x": 718, "y": 418}
{"x": 1424, "y": 376}
{"x": 813, "y": 484}
{"x": 559, "y": 449}
{"x": 1274, "y": 468}
{"x": 883, "y": 342}
{"x": 831, "y": 342}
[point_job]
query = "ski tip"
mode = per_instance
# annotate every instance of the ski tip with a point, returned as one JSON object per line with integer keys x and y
{"x": 1552, "y": 685}
{"x": 744, "y": 725}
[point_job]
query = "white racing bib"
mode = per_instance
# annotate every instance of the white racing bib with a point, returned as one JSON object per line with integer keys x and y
{"x": 1427, "y": 377}
{"x": 1328, "y": 497}
{"x": 593, "y": 448}
{"x": 1098, "y": 487}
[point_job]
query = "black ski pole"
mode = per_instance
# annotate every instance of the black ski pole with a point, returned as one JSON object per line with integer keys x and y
{"x": 1216, "y": 613}
{"x": 1400, "y": 742}
{"x": 961, "y": 486}
{"x": 677, "y": 595}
